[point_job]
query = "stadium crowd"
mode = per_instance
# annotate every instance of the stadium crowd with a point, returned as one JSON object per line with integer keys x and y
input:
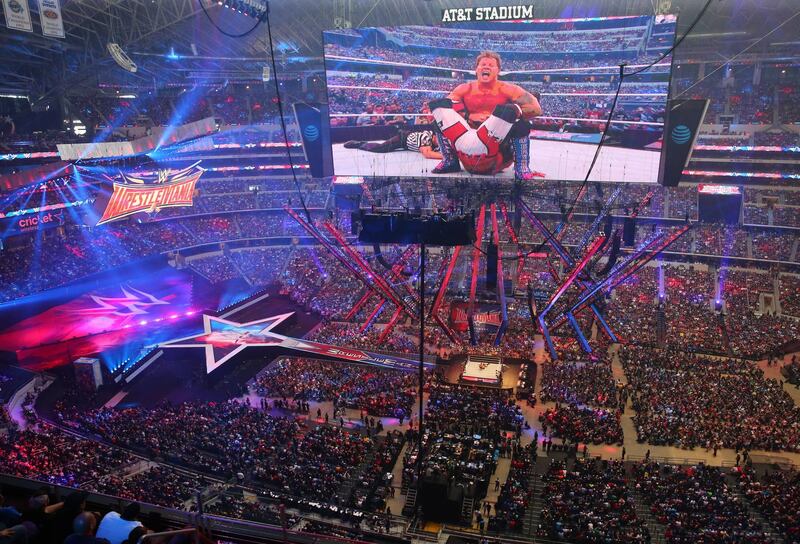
{"x": 608, "y": 40}
{"x": 377, "y": 392}
{"x": 696, "y": 504}
{"x": 589, "y": 502}
{"x": 156, "y": 485}
{"x": 776, "y": 495}
{"x": 583, "y": 382}
{"x": 51, "y": 455}
{"x": 582, "y": 424}
{"x": 690, "y": 401}
{"x": 226, "y": 439}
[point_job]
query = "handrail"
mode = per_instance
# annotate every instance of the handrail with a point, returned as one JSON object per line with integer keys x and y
{"x": 190, "y": 530}
{"x": 238, "y": 530}
{"x": 680, "y": 461}
{"x": 276, "y": 211}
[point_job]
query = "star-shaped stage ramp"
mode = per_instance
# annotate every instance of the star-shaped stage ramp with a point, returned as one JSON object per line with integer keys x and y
{"x": 222, "y": 340}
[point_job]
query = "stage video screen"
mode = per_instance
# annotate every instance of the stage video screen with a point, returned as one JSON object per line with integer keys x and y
{"x": 524, "y": 100}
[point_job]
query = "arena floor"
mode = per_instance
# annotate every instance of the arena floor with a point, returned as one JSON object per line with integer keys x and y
{"x": 557, "y": 160}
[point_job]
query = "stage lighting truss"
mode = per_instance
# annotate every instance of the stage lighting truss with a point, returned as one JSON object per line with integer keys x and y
{"x": 577, "y": 290}
{"x": 120, "y": 57}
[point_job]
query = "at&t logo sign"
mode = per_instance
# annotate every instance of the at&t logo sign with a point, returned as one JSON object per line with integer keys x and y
{"x": 311, "y": 132}
{"x": 681, "y": 134}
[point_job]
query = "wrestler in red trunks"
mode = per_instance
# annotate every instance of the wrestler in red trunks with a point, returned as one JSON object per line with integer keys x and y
{"x": 498, "y": 115}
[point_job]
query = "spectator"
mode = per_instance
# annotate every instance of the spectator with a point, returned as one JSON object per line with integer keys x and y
{"x": 12, "y": 531}
{"x": 83, "y": 530}
{"x": 74, "y": 504}
{"x": 116, "y": 527}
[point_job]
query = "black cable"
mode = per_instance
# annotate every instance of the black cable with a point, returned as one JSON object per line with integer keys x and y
{"x": 622, "y": 76}
{"x": 563, "y": 223}
{"x": 420, "y": 418}
{"x": 258, "y": 22}
{"x": 676, "y": 44}
{"x": 598, "y": 149}
{"x": 283, "y": 121}
{"x": 277, "y": 94}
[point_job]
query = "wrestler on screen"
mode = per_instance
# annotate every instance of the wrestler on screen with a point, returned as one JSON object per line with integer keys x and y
{"x": 496, "y": 129}
{"x": 423, "y": 141}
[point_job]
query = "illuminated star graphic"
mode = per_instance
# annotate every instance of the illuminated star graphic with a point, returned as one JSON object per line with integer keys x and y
{"x": 135, "y": 302}
{"x": 223, "y": 339}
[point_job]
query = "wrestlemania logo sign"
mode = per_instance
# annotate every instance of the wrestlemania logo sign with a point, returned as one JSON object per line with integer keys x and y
{"x": 459, "y": 319}
{"x": 149, "y": 193}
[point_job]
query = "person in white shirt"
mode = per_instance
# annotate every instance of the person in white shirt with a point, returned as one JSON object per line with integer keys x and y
{"x": 116, "y": 527}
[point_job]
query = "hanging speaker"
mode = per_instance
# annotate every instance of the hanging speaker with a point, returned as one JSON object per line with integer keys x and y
{"x": 609, "y": 226}
{"x": 684, "y": 117}
{"x": 491, "y": 266}
{"x": 315, "y": 134}
{"x": 629, "y": 232}
{"x": 719, "y": 203}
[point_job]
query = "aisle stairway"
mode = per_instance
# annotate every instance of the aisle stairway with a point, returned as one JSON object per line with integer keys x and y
{"x": 661, "y": 327}
{"x": 643, "y": 510}
{"x": 345, "y": 492}
{"x": 411, "y": 502}
{"x": 773, "y": 533}
{"x": 535, "y": 503}
{"x": 467, "y": 508}
{"x": 726, "y": 339}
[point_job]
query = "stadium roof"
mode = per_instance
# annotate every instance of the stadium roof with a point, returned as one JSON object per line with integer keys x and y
{"x": 150, "y": 31}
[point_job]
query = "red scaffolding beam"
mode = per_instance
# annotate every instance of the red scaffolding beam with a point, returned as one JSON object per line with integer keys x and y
{"x": 501, "y": 284}
{"x": 373, "y": 315}
{"x": 476, "y": 260}
{"x": 354, "y": 310}
{"x": 381, "y": 283}
{"x": 514, "y": 239}
{"x": 390, "y": 325}
{"x": 566, "y": 258}
{"x": 437, "y": 301}
{"x": 331, "y": 249}
{"x": 395, "y": 273}
{"x": 640, "y": 258}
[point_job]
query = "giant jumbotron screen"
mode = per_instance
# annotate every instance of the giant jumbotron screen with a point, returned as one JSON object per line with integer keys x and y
{"x": 430, "y": 101}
